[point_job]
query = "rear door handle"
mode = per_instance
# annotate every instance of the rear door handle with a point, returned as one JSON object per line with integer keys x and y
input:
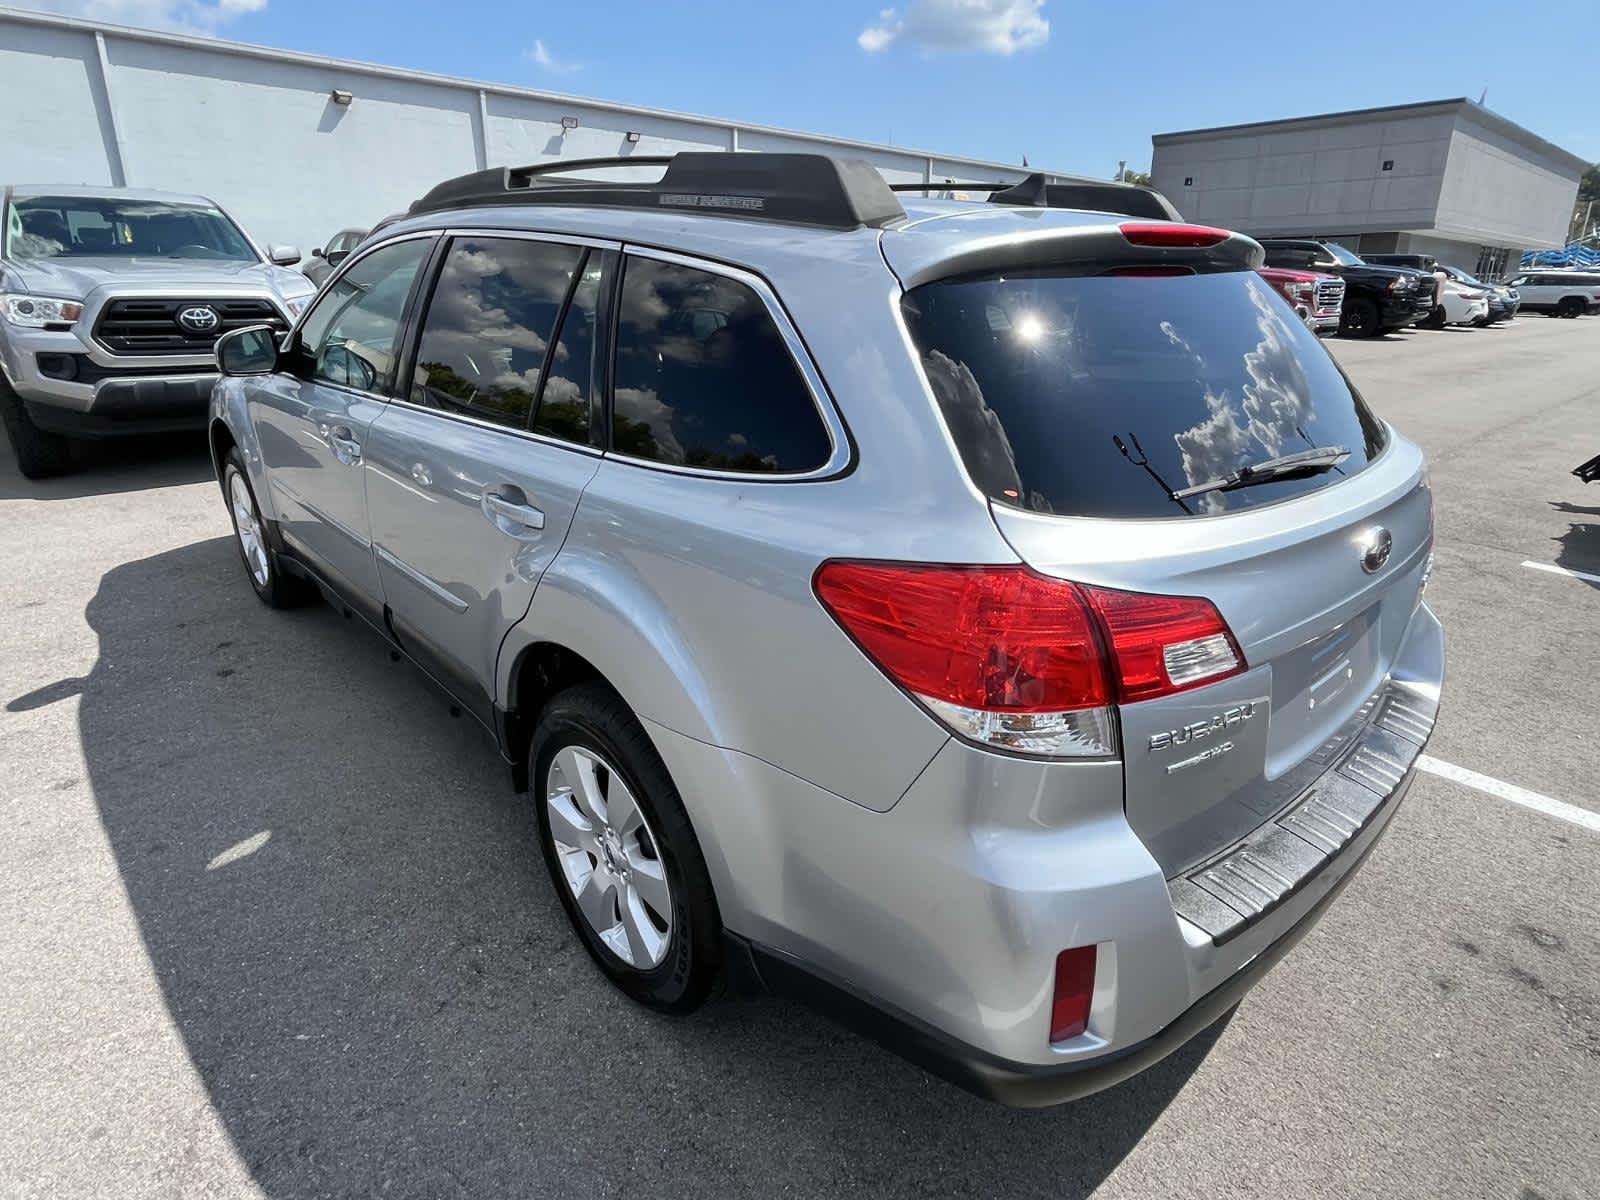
{"x": 509, "y": 509}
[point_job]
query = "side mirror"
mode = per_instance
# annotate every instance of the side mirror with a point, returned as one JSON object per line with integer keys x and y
{"x": 249, "y": 351}
{"x": 317, "y": 253}
{"x": 284, "y": 256}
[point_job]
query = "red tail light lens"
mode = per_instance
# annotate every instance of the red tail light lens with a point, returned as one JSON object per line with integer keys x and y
{"x": 1165, "y": 644}
{"x": 1021, "y": 661}
{"x": 1069, "y": 1011}
{"x": 1173, "y": 234}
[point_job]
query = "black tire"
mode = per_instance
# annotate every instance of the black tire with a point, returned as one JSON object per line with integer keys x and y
{"x": 278, "y": 589}
{"x": 1359, "y": 319}
{"x": 1570, "y": 307}
{"x": 592, "y": 716}
{"x": 40, "y": 454}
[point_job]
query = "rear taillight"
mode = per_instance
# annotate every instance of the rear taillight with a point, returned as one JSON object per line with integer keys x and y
{"x": 1020, "y": 661}
{"x": 1173, "y": 234}
{"x": 1069, "y": 1010}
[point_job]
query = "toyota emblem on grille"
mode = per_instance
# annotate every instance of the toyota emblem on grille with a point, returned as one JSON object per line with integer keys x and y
{"x": 1376, "y": 552}
{"x": 199, "y": 319}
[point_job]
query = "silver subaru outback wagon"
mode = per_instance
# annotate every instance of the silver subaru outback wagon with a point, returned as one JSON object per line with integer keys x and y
{"x": 997, "y": 623}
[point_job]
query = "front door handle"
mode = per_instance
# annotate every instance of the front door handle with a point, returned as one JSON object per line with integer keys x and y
{"x": 342, "y": 440}
{"x": 509, "y": 509}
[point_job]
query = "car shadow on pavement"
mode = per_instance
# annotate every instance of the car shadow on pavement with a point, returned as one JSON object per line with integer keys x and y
{"x": 345, "y": 907}
{"x": 112, "y": 466}
{"x": 1580, "y": 545}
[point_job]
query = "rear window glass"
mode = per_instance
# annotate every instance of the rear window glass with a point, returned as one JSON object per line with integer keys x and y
{"x": 1101, "y": 395}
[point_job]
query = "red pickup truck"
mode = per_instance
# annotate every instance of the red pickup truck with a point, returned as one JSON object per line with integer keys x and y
{"x": 1318, "y": 298}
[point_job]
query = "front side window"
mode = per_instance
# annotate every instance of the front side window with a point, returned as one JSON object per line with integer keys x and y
{"x": 1103, "y": 395}
{"x": 489, "y": 324}
{"x": 349, "y": 337}
{"x": 704, "y": 377}
{"x": 111, "y": 227}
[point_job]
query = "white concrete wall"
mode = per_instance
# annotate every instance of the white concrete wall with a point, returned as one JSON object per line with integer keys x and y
{"x": 1502, "y": 193}
{"x": 1301, "y": 181}
{"x": 257, "y": 131}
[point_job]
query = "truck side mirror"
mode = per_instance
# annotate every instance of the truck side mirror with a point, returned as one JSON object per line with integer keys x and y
{"x": 284, "y": 256}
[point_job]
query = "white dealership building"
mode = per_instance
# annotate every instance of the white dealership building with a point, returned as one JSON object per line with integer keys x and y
{"x": 298, "y": 146}
{"x": 1448, "y": 178}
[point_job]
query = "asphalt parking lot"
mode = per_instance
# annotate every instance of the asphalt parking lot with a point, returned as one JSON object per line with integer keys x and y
{"x": 273, "y": 923}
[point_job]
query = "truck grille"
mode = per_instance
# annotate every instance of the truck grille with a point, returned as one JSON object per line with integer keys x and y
{"x": 151, "y": 326}
{"x": 1330, "y": 297}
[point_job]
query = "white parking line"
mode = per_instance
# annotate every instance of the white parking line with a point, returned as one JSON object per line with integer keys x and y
{"x": 1555, "y": 570}
{"x": 1559, "y": 809}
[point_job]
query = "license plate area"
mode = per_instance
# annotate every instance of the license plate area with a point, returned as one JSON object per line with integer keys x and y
{"x": 1238, "y": 888}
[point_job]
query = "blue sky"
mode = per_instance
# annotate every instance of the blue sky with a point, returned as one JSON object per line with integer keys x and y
{"x": 1075, "y": 86}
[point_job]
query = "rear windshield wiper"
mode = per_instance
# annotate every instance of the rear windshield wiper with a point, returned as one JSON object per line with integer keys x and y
{"x": 1306, "y": 462}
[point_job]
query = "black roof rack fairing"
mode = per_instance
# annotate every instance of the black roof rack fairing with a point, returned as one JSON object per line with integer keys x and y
{"x": 1093, "y": 195}
{"x": 803, "y": 189}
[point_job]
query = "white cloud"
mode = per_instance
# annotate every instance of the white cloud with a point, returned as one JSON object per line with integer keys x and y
{"x": 990, "y": 26}
{"x": 193, "y": 16}
{"x": 540, "y": 54}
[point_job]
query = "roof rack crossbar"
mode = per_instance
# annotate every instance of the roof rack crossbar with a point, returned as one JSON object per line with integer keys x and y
{"x": 1092, "y": 195}
{"x": 804, "y": 189}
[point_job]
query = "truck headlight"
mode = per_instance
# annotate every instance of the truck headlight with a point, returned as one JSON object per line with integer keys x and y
{"x": 36, "y": 312}
{"x": 297, "y": 304}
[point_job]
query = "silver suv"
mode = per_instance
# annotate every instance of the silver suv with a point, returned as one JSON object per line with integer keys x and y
{"x": 111, "y": 301}
{"x": 999, "y": 624}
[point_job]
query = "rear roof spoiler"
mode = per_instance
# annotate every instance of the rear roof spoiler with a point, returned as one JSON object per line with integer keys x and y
{"x": 1090, "y": 195}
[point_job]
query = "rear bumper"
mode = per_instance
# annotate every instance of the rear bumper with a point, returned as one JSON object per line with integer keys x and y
{"x": 1024, "y": 1085}
{"x": 934, "y": 926}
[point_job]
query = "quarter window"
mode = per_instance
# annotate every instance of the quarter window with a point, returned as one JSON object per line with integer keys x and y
{"x": 489, "y": 324}
{"x": 705, "y": 379}
{"x": 349, "y": 337}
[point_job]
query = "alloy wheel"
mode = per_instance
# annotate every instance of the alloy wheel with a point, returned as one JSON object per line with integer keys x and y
{"x": 248, "y": 526}
{"x": 610, "y": 858}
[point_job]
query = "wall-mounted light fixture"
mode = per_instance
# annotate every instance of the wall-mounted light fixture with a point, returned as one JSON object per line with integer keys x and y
{"x": 632, "y": 137}
{"x": 568, "y": 124}
{"x": 341, "y": 98}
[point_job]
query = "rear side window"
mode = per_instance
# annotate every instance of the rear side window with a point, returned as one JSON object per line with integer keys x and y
{"x": 1101, "y": 395}
{"x": 489, "y": 326}
{"x": 705, "y": 379}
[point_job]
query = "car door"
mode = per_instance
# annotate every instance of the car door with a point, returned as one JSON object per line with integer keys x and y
{"x": 312, "y": 417}
{"x": 475, "y": 471}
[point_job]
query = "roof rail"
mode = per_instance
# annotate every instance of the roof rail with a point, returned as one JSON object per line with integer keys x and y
{"x": 1094, "y": 195}
{"x": 803, "y": 189}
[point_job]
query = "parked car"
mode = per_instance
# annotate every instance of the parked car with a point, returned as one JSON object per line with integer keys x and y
{"x": 1503, "y": 301}
{"x": 1018, "y": 680}
{"x": 1458, "y": 298}
{"x": 1317, "y": 299}
{"x": 325, "y": 258}
{"x": 1559, "y": 293}
{"x": 111, "y": 300}
{"x": 1376, "y": 300}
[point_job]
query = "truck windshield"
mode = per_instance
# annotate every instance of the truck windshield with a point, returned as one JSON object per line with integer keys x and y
{"x": 1340, "y": 254}
{"x": 113, "y": 227}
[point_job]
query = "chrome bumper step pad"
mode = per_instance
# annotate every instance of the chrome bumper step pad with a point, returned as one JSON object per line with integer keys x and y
{"x": 1233, "y": 892}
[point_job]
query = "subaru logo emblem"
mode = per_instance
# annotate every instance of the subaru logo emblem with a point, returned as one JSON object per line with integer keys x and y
{"x": 200, "y": 318}
{"x": 1376, "y": 551}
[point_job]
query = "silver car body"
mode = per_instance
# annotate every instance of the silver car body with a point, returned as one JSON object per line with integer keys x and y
{"x": 128, "y": 392}
{"x": 849, "y": 835}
